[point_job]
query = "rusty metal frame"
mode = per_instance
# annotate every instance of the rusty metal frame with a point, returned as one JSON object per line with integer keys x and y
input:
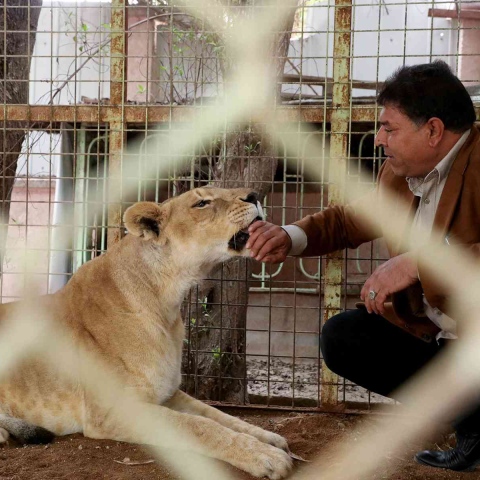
{"x": 46, "y": 116}
{"x": 117, "y": 136}
{"x": 340, "y": 123}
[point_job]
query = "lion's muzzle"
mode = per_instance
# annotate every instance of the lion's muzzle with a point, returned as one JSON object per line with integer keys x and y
{"x": 239, "y": 240}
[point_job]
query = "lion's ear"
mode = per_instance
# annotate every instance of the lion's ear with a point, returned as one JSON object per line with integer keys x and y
{"x": 144, "y": 219}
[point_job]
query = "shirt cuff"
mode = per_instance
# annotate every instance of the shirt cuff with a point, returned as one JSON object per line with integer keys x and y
{"x": 298, "y": 237}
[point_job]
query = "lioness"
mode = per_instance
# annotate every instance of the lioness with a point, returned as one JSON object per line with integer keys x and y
{"x": 125, "y": 306}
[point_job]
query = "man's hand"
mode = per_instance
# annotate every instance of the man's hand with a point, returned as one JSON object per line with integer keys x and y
{"x": 268, "y": 243}
{"x": 392, "y": 276}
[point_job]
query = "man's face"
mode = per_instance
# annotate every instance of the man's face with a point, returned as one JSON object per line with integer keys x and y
{"x": 405, "y": 145}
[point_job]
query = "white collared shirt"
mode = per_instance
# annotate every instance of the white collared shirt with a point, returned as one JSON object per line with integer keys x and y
{"x": 429, "y": 189}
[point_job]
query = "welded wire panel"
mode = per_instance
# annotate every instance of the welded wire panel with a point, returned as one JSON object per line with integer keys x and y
{"x": 107, "y": 103}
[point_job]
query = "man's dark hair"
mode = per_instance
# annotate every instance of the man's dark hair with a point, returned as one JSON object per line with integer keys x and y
{"x": 429, "y": 90}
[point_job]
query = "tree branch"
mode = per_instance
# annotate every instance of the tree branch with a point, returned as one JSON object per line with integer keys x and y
{"x": 104, "y": 44}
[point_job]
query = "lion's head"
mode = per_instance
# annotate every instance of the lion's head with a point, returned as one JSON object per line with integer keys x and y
{"x": 204, "y": 221}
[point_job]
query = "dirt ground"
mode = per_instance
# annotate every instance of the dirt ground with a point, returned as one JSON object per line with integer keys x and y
{"x": 78, "y": 458}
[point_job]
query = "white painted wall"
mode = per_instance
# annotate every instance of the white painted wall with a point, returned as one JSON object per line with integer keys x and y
{"x": 56, "y": 57}
{"x": 385, "y": 37}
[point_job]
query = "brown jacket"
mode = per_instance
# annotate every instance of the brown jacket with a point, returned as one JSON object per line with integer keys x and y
{"x": 457, "y": 219}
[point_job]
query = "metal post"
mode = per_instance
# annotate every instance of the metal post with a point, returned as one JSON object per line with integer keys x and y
{"x": 338, "y": 161}
{"x": 117, "y": 126}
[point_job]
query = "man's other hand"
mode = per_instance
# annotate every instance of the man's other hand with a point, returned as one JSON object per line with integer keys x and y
{"x": 268, "y": 243}
{"x": 390, "y": 277}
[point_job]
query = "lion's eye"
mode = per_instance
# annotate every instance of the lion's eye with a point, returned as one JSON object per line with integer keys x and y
{"x": 202, "y": 203}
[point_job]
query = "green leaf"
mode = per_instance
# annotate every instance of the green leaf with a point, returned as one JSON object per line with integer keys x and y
{"x": 84, "y": 27}
{"x": 216, "y": 353}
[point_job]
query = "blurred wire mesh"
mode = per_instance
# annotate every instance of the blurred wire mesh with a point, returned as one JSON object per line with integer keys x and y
{"x": 110, "y": 82}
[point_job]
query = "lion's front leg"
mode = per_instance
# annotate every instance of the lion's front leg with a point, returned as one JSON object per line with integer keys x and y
{"x": 185, "y": 403}
{"x": 209, "y": 438}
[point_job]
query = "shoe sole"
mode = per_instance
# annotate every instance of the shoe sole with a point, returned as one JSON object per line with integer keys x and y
{"x": 471, "y": 468}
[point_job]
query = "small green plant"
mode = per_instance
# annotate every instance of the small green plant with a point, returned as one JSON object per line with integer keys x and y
{"x": 178, "y": 70}
{"x": 252, "y": 149}
{"x": 216, "y": 354}
{"x": 140, "y": 89}
{"x": 205, "y": 307}
{"x": 82, "y": 37}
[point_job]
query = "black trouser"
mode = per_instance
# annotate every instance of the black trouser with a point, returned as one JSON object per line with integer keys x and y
{"x": 368, "y": 350}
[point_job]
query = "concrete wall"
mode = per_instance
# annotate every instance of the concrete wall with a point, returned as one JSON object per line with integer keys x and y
{"x": 469, "y": 60}
{"x": 30, "y": 213}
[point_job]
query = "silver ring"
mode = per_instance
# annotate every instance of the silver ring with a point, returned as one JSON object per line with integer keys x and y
{"x": 372, "y": 294}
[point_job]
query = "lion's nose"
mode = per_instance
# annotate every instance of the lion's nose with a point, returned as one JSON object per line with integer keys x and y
{"x": 251, "y": 198}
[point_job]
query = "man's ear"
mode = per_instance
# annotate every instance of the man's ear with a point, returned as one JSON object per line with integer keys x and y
{"x": 436, "y": 128}
{"x": 144, "y": 219}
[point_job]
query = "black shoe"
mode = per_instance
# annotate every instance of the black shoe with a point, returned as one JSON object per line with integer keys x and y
{"x": 462, "y": 458}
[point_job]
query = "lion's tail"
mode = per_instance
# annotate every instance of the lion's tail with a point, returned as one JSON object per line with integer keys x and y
{"x": 25, "y": 432}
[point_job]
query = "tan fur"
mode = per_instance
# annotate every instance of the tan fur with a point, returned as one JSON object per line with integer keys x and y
{"x": 125, "y": 307}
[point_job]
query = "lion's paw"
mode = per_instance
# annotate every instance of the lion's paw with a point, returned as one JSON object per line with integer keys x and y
{"x": 271, "y": 462}
{"x": 269, "y": 437}
{"x": 276, "y": 440}
{"x": 4, "y": 435}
